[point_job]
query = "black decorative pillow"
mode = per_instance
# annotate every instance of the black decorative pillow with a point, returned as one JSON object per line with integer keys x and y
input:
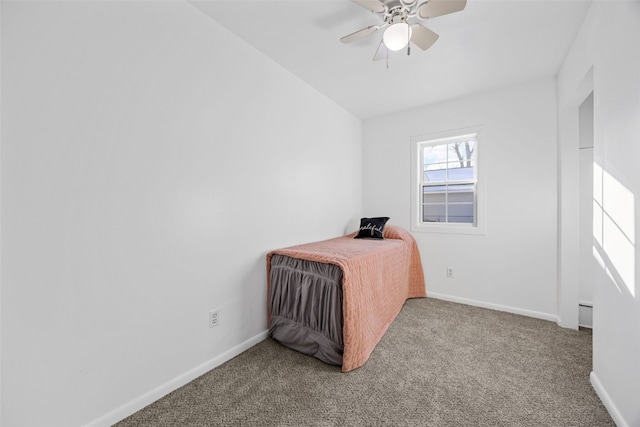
{"x": 371, "y": 228}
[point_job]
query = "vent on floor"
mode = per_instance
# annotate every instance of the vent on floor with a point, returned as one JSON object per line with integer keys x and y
{"x": 585, "y": 314}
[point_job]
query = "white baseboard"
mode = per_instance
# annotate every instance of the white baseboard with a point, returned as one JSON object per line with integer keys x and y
{"x": 151, "y": 396}
{"x": 616, "y": 416}
{"x": 498, "y": 307}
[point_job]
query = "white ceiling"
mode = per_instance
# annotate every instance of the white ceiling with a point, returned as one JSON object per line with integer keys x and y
{"x": 490, "y": 44}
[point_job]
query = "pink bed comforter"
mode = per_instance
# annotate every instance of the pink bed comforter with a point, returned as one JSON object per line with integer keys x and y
{"x": 378, "y": 277}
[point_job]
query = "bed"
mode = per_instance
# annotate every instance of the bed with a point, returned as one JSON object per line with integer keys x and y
{"x": 335, "y": 299}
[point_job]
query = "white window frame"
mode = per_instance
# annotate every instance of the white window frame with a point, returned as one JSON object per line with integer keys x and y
{"x": 417, "y": 144}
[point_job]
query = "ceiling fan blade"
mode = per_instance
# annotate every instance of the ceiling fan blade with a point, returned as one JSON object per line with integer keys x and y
{"x": 381, "y": 52}
{"x": 372, "y": 5}
{"x": 423, "y": 37}
{"x": 360, "y": 34}
{"x": 434, "y": 8}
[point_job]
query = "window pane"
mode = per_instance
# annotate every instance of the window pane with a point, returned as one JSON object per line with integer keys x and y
{"x": 434, "y": 194}
{"x": 461, "y": 213}
{"x": 434, "y": 157}
{"x": 461, "y": 193}
{"x": 434, "y": 213}
{"x": 438, "y": 175}
{"x": 457, "y": 173}
{"x": 463, "y": 151}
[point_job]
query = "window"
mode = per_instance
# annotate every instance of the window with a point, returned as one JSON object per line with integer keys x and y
{"x": 446, "y": 184}
{"x": 449, "y": 181}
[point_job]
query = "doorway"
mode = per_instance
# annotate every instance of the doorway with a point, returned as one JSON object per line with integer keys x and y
{"x": 585, "y": 257}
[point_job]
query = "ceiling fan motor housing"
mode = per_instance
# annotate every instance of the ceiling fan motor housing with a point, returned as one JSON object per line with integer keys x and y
{"x": 396, "y": 14}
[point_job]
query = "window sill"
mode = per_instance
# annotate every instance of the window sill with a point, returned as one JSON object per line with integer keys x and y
{"x": 449, "y": 229}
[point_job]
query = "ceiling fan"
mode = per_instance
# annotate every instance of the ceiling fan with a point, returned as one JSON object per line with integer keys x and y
{"x": 397, "y": 17}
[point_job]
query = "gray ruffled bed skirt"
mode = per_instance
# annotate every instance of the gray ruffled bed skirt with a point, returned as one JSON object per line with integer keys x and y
{"x": 305, "y": 303}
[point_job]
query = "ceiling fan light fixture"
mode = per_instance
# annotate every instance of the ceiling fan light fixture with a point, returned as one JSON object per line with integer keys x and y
{"x": 397, "y": 36}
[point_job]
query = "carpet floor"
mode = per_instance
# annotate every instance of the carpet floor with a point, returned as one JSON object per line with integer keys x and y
{"x": 439, "y": 364}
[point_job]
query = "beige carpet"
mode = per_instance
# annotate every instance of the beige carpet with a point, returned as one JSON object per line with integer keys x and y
{"x": 440, "y": 364}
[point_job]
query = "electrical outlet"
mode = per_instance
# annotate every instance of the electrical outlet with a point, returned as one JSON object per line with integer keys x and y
{"x": 214, "y": 318}
{"x": 449, "y": 272}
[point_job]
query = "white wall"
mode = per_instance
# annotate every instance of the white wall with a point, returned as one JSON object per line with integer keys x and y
{"x": 150, "y": 159}
{"x": 608, "y": 44}
{"x": 513, "y": 266}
